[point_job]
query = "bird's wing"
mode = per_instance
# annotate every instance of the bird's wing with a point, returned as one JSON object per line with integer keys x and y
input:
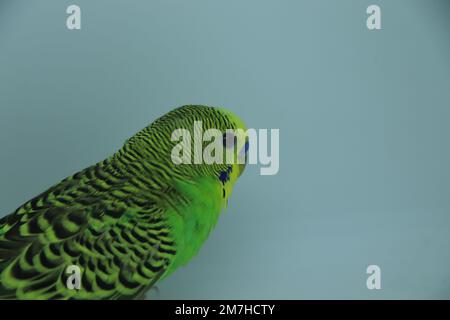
{"x": 120, "y": 243}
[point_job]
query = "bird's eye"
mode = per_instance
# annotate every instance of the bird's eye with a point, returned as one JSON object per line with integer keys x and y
{"x": 229, "y": 140}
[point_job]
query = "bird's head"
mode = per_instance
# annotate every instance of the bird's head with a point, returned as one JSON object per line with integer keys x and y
{"x": 196, "y": 140}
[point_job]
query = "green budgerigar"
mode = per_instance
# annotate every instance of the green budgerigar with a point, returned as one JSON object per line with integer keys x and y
{"x": 125, "y": 222}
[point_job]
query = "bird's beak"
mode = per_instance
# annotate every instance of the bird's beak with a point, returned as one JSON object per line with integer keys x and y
{"x": 241, "y": 169}
{"x": 243, "y": 158}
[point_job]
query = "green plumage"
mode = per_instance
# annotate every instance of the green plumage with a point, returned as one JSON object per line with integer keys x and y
{"x": 126, "y": 222}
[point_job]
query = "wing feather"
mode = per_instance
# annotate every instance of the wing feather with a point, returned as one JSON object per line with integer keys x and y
{"x": 90, "y": 221}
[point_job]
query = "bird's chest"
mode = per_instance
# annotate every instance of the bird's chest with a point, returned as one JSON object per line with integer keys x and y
{"x": 192, "y": 225}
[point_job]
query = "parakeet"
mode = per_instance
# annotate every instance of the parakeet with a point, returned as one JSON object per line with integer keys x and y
{"x": 125, "y": 222}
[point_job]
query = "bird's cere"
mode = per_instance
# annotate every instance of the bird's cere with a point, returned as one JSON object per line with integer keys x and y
{"x": 234, "y": 146}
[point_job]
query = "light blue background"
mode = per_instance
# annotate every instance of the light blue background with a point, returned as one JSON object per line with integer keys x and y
{"x": 363, "y": 116}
